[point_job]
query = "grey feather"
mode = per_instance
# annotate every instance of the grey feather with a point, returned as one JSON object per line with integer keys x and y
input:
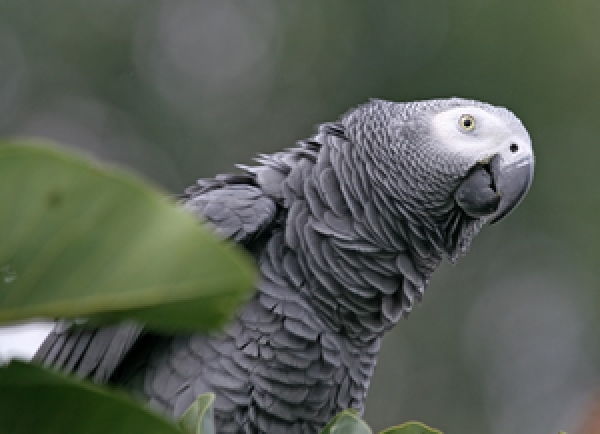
{"x": 346, "y": 228}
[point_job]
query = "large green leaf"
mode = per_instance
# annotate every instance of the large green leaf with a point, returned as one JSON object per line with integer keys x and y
{"x": 36, "y": 401}
{"x": 199, "y": 417}
{"x": 347, "y": 422}
{"x": 411, "y": 428}
{"x": 79, "y": 240}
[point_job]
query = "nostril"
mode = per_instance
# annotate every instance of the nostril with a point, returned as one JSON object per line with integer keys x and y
{"x": 514, "y": 147}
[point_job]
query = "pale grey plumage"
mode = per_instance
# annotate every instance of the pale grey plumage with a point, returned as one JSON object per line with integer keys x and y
{"x": 347, "y": 229}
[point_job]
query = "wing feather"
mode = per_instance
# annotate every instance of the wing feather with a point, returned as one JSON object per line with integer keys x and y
{"x": 237, "y": 208}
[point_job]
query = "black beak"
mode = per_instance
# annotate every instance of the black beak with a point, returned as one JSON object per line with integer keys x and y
{"x": 512, "y": 183}
{"x": 493, "y": 188}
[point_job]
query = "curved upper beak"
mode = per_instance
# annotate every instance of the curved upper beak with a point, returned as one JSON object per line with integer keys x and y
{"x": 494, "y": 188}
{"x": 512, "y": 181}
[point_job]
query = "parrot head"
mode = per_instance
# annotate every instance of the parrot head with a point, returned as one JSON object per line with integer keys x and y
{"x": 497, "y": 148}
{"x": 449, "y": 165}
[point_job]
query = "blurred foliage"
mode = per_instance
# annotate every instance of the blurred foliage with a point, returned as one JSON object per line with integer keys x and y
{"x": 346, "y": 422}
{"x": 349, "y": 422}
{"x": 83, "y": 241}
{"x": 199, "y": 417}
{"x": 411, "y": 428}
{"x": 506, "y": 340}
{"x": 36, "y": 400}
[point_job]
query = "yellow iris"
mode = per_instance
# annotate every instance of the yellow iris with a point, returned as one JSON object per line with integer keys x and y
{"x": 467, "y": 122}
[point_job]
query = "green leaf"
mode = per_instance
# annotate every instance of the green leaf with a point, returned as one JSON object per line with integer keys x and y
{"x": 79, "y": 240}
{"x": 199, "y": 417}
{"x": 37, "y": 401}
{"x": 411, "y": 428}
{"x": 347, "y": 422}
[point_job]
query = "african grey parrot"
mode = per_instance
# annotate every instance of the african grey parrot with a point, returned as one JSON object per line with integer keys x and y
{"x": 346, "y": 228}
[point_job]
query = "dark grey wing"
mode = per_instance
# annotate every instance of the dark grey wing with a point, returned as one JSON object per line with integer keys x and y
{"x": 85, "y": 352}
{"x": 238, "y": 211}
{"x": 233, "y": 204}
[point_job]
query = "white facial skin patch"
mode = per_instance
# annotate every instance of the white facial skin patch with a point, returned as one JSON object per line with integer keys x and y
{"x": 478, "y": 134}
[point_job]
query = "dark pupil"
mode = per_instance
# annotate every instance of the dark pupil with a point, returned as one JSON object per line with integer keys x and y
{"x": 467, "y": 123}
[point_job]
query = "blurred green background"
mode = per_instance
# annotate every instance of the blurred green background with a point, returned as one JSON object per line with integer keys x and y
{"x": 505, "y": 341}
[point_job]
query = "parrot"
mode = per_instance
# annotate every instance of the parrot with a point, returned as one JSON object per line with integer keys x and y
{"x": 346, "y": 229}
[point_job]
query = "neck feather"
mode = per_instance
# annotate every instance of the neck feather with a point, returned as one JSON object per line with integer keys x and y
{"x": 365, "y": 257}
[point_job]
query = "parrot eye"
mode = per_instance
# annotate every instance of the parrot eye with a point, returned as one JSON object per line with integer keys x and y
{"x": 467, "y": 122}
